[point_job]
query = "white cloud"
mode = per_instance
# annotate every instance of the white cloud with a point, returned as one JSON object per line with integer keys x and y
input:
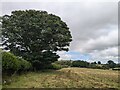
{"x": 64, "y": 55}
{"x": 105, "y": 55}
{"x": 100, "y": 43}
{"x": 94, "y": 26}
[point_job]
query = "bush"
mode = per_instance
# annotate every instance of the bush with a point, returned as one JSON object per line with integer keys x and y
{"x": 25, "y": 65}
{"x": 12, "y": 63}
{"x": 54, "y": 66}
{"x": 105, "y": 66}
{"x": 118, "y": 65}
{"x": 79, "y": 63}
{"x": 96, "y": 66}
{"x": 64, "y": 63}
{"x": 65, "y": 66}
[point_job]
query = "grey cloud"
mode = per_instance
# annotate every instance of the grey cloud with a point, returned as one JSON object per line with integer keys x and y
{"x": 87, "y": 21}
{"x": 101, "y": 42}
{"x": 105, "y": 55}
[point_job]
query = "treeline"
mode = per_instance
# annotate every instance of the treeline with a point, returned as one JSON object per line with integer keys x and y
{"x": 12, "y": 64}
{"x": 84, "y": 64}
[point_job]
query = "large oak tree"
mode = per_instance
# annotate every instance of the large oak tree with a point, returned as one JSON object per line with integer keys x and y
{"x": 35, "y": 35}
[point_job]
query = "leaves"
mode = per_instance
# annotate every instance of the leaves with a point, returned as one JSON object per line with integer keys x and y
{"x": 30, "y": 32}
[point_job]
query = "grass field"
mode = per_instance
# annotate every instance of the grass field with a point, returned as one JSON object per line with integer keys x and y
{"x": 66, "y": 78}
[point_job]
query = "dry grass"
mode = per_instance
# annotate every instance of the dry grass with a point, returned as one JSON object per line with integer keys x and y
{"x": 67, "y": 78}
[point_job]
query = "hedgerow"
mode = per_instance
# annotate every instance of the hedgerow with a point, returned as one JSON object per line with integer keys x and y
{"x": 12, "y": 63}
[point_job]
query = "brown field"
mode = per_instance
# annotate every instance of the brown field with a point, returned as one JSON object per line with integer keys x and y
{"x": 66, "y": 78}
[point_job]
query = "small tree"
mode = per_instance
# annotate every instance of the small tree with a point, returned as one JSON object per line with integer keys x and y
{"x": 111, "y": 64}
{"x": 93, "y": 63}
{"x": 35, "y": 35}
{"x": 99, "y": 62}
{"x": 79, "y": 63}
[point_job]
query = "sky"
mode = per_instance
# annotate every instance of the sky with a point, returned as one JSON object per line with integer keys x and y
{"x": 93, "y": 25}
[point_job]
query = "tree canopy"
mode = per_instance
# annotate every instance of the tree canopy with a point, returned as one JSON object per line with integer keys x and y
{"x": 99, "y": 62}
{"x": 111, "y": 64}
{"x": 35, "y": 35}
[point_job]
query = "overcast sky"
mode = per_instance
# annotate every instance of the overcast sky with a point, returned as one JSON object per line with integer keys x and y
{"x": 93, "y": 25}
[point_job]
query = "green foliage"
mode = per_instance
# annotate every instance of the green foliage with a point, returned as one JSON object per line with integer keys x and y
{"x": 111, "y": 64}
{"x": 93, "y": 63}
{"x": 105, "y": 66}
{"x": 64, "y": 63}
{"x": 35, "y": 35}
{"x": 96, "y": 66}
{"x": 99, "y": 62}
{"x": 55, "y": 66}
{"x": 118, "y": 65}
{"x": 85, "y": 64}
{"x": 12, "y": 63}
{"x": 60, "y": 64}
{"x": 25, "y": 65}
{"x": 49, "y": 57}
{"x": 80, "y": 64}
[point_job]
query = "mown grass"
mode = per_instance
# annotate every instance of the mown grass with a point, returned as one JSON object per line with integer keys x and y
{"x": 66, "y": 78}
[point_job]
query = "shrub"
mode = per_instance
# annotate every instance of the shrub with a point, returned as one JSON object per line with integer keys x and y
{"x": 64, "y": 62}
{"x": 118, "y": 65}
{"x": 79, "y": 63}
{"x": 65, "y": 66}
{"x": 25, "y": 65}
{"x": 12, "y": 63}
{"x": 96, "y": 67}
{"x": 54, "y": 66}
{"x": 105, "y": 66}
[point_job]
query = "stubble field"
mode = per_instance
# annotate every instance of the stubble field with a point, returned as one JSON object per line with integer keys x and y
{"x": 66, "y": 78}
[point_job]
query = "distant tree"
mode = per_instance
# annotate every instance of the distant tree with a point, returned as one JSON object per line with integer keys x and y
{"x": 118, "y": 65}
{"x": 80, "y": 63}
{"x": 111, "y": 64}
{"x": 64, "y": 62}
{"x": 93, "y": 63}
{"x": 99, "y": 62}
{"x": 105, "y": 66}
{"x": 35, "y": 35}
